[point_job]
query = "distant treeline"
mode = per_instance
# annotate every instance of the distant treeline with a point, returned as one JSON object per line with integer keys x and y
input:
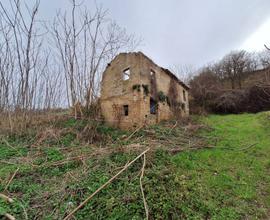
{"x": 240, "y": 82}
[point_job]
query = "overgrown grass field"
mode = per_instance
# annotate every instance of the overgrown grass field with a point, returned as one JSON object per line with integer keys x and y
{"x": 229, "y": 179}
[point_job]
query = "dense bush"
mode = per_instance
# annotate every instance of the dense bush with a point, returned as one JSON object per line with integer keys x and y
{"x": 259, "y": 98}
{"x": 253, "y": 99}
{"x": 239, "y": 82}
{"x": 212, "y": 92}
{"x": 233, "y": 101}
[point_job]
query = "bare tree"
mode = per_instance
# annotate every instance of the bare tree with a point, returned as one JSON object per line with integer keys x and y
{"x": 264, "y": 59}
{"x": 37, "y": 70}
{"x": 34, "y": 74}
{"x": 25, "y": 43}
{"x": 85, "y": 44}
{"x": 27, "y": 80}
{"x": 235, "y": 65}
{"x": 204, "y": 87}
{"x": 183, "y": 72}
{"x": 6, "y": 66}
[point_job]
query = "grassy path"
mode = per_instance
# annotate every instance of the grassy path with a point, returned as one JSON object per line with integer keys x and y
{"x": 229, "y": 182}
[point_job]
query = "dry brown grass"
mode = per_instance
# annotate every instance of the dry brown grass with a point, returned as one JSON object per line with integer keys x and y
{"x": 20, "y": 122}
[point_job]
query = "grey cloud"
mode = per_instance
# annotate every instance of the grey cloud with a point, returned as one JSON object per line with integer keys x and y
{"x": 182, "y": 31}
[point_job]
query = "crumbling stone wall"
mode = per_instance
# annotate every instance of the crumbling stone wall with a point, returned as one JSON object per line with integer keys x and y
{"x": 136, "y": 92}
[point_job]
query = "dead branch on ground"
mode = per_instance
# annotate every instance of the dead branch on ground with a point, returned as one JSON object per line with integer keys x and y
{"x": 10, "y": 180}
{"x": 130, "y": 136}
{"x": 6, "y": 198}
{"x": 9, "y": 216}
{"x": 141, "y": 186}
{"x": 104, "y": 185}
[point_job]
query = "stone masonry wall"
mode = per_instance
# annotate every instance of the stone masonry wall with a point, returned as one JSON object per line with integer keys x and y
{"x": 116, "y": 92}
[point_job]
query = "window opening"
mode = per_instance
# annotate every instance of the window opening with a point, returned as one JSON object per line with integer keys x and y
{"x": 184, "y": 95}
{"x": 126, "y": 74}
{"x": 125, "y": 107}
{"x": 153, "y": 106}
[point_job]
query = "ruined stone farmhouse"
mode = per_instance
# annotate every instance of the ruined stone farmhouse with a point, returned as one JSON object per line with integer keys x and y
{"x": 136, "y": 91}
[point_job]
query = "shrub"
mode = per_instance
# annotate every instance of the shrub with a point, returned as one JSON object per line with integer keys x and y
{"x": 136, "y": 87}
{"x": 161, "y": 96}
{"x": 145, "y": 89}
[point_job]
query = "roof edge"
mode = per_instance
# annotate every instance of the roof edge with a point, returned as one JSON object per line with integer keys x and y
{"x": 167, "y": 71}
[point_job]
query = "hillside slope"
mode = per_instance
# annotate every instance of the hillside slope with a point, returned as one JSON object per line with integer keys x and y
{"x": 228, "y": 180}
{"x": 257, "y": 77}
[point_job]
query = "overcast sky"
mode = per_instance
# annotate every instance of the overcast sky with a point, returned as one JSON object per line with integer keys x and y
{"x": 186, "y": 32}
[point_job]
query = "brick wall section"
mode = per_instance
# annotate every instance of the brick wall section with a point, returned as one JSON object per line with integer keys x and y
{"x": 116, "y": 92}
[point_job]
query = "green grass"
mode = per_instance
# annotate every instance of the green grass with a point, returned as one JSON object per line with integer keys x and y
{"x": 229, "y": 181}
{"x": 232, "y": 183}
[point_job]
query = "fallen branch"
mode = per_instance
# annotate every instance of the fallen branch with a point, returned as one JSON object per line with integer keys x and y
{"x": 9, "y": 145}
{"x": 24, "y": 211}
{"x": 178, "y": 150}
{"x": 10, "y": 217}
{"x": 7, "y": 162}
{"x": 173, "y": 127}
{"x": 245, "y": 148}
{"x": 130, "y": 136}
{"x": 144, "y": 200}
{"x": 10, "y": 180}
{"x": 6, "y": 198}
{"x": 70, "y": 159}
{"x": 104, "y": 185}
